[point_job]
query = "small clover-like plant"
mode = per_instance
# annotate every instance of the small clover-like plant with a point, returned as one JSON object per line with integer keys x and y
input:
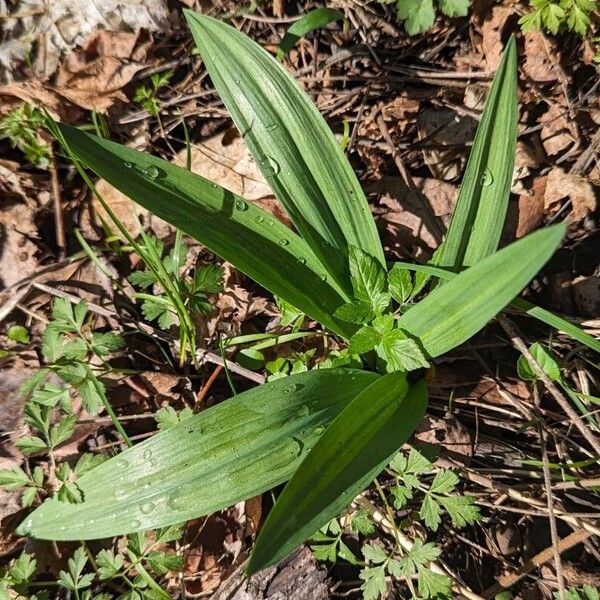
{"x": 147, "y": 95}
{"x": 419, "y": 15}
{"x": 556, "y": 15}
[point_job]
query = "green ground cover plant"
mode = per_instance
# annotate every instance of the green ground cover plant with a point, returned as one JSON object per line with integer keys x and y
{"x": 329, "y": 431}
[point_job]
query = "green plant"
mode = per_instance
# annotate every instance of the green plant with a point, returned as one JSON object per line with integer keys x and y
{"x": 588, "y": 592}
{"x": 21, "y": 126}
{"x": 386, "y": 553}
{"x": 191, "y": 292}
{"x": 419, "y": 15}
{"x": 330, "y": 430}
{"x": 556, "y": 15}
{"x": 147, "y": 95}
{"x": 133, "y": 567}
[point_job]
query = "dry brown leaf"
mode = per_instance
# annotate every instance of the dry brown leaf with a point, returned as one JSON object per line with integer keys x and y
{"x": 492, "y": 30}
{"x": 445, "y": 127}
{"x": 45, "y": 30}
{"x": 226, "y": 160}
{"x": 92, "y": 77}
{"x": 14, "y": 94}
{"x": 17, "y": 251}
{"x": 447, "y": 433}
{"x": 531, "y": 208}
{"x": 129, "y": 213}
{"x": 401, "y": 210}
{"x": 557, "y": 133}
{"x": 541, "y": 58}
{"x": 561, "y": 184}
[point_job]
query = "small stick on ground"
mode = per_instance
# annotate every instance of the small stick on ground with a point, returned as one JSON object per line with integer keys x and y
{"x": 59, "y": 225}
{"x": 206, "y": 387}
{"x": 538, "y": 560}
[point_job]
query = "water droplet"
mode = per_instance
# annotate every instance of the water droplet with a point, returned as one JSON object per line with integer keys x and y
{"x": 147, "y": 508}
{"x": 302, "y": 260}
{"x": 272, "y": 126}
{"x": 127, "y": 165}
{"x": 270, "y": 167}
{"x": 487, "y": 178}
{"x": 323, "y": 277}
{"x": 271, "y": 222}
{"x": 135, "y": 524}
{"x": 319, "y": 430}
{"x": 259, "y": 219}
{"x": 152, "y": 172}
{"x": 241, "y": 205}
{"x": 29, "y": 524}
{"x": 284, "y": 242}
{"x": 214, "y": 185}
{"x": 121, "y": 463}
{"x": 63, "y": 527}
{"x": 121, "y": 494}
{"x": 91, "y": 521}
{"x": 175, "y": 501}
{"x": 147, "y": 454}
{"x": 237, "y": 81}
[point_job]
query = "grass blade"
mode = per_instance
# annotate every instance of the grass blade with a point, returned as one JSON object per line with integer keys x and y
{"x": 454, "y": 312}
{"x": 541, "y": 314}
{"x": 235, "y": 450}
{"x": 349, "y": 455}
{"x": 292, "y": 145}
{"x": 480, "y": 211}
{"x": 315, "y": 19}
{"x": 236, "y": 230}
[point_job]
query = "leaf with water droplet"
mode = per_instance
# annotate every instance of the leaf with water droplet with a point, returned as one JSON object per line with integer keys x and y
{"x": 487, "y": 178}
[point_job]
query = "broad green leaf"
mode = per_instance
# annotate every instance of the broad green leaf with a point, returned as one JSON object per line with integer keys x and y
{"x": 291, "y": 143}
{"x": 454, "y": 312}
{"x": 541, "y": 314}
{"x": 367, "y": 276}
{"x": 349, "y": 455}
{"x": 315, "y": 19}
{"x": 238, "y": 231}
{"x": 218, "y": 457}
{"x": 543, "y": 358}
{"x": 480, "y": 211}
{"x": 400, "y": 284}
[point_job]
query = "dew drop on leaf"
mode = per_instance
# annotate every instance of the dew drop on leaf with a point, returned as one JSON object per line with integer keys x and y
{"x": 319, "y": 430}
{"x": 135, "y": 524}
{"x": 487, "y": 178}
{"x": 241, "y": 205}
{"x": 259, "y": 219}
{"x": 302, "y": 260}
{"x": 121, "y": 463}
{"x": 120, "y": 494}
{"x": 152, "y": 172}
{"x": 147, "y": 454}
{"x": 147, "y": 508}
{"x": 127, "y": 165}
{"x": 272, "y": 126}
{"x": 270, "y": 167}
{"x": 271, "y": 222}
{"x": 284, "y": 242}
